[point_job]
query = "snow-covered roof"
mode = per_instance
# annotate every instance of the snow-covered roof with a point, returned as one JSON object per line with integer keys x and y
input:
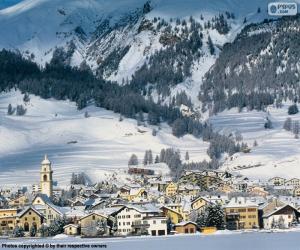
{"x": 21, "y": 213}
{"x": 144, "y": 208}
{"x": 240, "y": 202}
{"x": 183, "y": 223}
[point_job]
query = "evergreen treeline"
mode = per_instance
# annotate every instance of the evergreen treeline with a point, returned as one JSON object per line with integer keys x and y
{"x": 62, "y": 82}
{"x": 258, "y": 69}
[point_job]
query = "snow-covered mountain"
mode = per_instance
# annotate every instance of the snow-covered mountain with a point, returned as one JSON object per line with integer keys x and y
{"x": 117, "y": 41}
{"x": 96, "y": 28}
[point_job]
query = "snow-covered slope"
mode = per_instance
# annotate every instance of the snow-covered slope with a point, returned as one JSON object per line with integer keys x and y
{"x": 277, "y": 152}
{"x": 38, "y": 27}
{"x": 99, "y": 145}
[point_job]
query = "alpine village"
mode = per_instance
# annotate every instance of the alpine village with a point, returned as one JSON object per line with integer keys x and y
{"x": 149, "y": 204}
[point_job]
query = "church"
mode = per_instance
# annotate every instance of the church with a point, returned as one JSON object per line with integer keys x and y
{"x": 46, "y": 180}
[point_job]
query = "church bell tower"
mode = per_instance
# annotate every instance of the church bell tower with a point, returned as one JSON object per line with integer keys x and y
{"x": 46, "y": 181}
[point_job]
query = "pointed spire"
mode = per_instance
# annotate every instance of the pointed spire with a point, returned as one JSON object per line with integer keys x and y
{"x": 46, "y": 160}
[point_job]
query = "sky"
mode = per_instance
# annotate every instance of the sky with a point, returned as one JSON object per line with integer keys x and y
{"x": 6, "y": 3}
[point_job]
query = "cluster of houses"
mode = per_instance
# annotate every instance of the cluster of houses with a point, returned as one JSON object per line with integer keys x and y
{"x": 151, "y": 205}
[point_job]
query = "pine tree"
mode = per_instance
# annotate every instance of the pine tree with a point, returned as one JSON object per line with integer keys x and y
{"x": 150, "y": 157}
{"x": 293, "y": 109}
{"x": 20, "y": 110}
{"x": 211, "y": 46}
{"x": 216, "y": 217}
{"x": 268, "y": 124}
{"x": 44, "y": 231}
{"x": 26, "y": 98}
{"x": 156, "y": 159}
{"x": 187, "y": 156}
{"x": 296, "y": 129}
{"x": 238, "y": 136}
{"x": 32, "y": 231}
{"x": 212, "y": 216}
{"x": 10, "y": 110}
{"x": 202, "y": 219}
{"x": 133, "y": 160}
{"x": 154, "y": 132}
{"x": 146, "y": 157}
{"x": 18, "y": 231}
{"x": 288, "y": 124}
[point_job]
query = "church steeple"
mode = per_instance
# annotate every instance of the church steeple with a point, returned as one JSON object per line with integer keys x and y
{"x": 46, "y": 177}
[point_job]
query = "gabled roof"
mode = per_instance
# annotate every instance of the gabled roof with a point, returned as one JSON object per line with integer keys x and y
{"x": 24, "y": 211}
{"x": 71, "y": 225}
{"x": 93, "y": 213}
{"x": 172, "y": 210}
{"x": 44, "y": 197}
{"x": 48, "y": 202}
{"x": 184, "y": 223}
{"x": 278, "y": 209}
{"x": 201, "y": 197}
{"x": 240, "y": 202}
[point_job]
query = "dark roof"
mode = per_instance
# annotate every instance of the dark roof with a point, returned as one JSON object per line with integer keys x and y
{"x": 27, "y": 209}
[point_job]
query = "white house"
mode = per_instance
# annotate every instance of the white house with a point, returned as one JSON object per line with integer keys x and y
{"x": 130, "y": 219}
{"x": 276, "y": 214}
{"x": 157, "y": 225}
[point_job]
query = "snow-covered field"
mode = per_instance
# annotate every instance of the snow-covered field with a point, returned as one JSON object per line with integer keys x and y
{"x": 277, "y": 153}
{"x": 224, "y": 241}
{"x": 103, "y": 143}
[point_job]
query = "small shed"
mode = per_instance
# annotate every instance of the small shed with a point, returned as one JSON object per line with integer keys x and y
{"x": 186, "y": 227}
{"x": 71, "y": 229}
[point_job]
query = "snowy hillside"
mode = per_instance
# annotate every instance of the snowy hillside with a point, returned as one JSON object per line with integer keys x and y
{"x": 121, "y": 42}
{"x": 277, "y": 152}
{"x": 99, "y": 145}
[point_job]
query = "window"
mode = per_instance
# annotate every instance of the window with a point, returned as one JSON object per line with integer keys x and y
{"x": 186, "y": 230}
{"x": 154, "y": 222}
{"x": 45, "y": 177}
{"x": 94, "y": 217}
